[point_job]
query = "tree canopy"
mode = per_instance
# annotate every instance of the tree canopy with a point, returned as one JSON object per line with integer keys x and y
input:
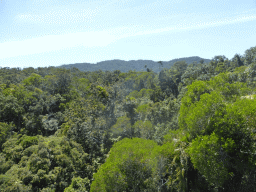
{"x": 187, "y": 127}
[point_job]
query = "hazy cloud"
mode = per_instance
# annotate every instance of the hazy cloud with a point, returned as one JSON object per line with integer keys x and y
{"x": 54, "y": 42}
{"x": 124, "y": 32}
{"x": 101, "y": 38}
{"x": 59, "y": 17}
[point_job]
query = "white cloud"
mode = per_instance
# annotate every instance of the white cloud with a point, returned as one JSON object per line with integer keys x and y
{"x": 124, "y": 32}
{"x": 54, "y": 42}
{"x": 102, "y": 38}
{"x": 59, "y": 17}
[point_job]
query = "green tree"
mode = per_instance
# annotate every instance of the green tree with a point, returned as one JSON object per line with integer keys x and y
{"x": 250, "y": 56}
{"x": 122, "y": 127}
{"x": 40, "y": 163}
{"x": 216, "y": 123}
{"x": 5, "y": 132}
{"x": 78, "y": 184}
{"x": 127, "y": 168}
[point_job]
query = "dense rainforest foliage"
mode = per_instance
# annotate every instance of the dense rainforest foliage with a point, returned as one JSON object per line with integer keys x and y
{"x": 186, "y": 128}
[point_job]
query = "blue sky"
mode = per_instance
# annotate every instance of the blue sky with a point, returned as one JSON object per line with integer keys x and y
{"x": 42, "y": 33}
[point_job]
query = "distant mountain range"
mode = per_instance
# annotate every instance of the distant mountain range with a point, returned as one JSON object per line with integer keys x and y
{"x": 125, "y": 66}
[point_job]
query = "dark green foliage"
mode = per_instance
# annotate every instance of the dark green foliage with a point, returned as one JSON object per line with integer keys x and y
{"x": 45, "y": 162}
{"x": 10, "y": 110}
{"x": 27, "y": 141}
{"x": 250, "y": 56}
{"x": 5, "y": 132}
{"x": 78, "y": 184}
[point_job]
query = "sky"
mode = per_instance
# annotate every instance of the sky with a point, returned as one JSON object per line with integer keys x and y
{"x": 42, "y": 33}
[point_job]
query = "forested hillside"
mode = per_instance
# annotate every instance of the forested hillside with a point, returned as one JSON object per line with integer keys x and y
{"x": 190, "y": 127}
{"x": 137, "y": 65}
